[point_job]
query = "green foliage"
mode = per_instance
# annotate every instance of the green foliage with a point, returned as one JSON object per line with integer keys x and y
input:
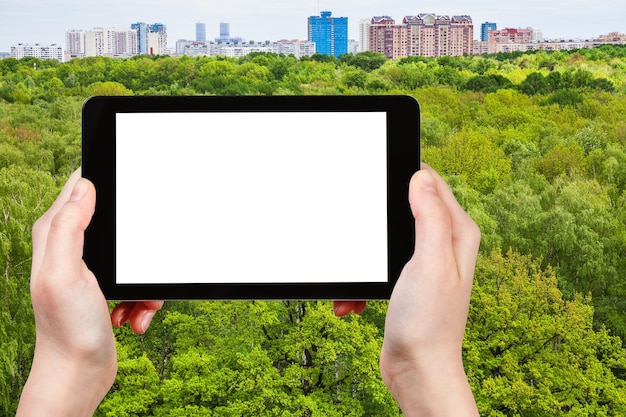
{"x": 24, "y": 195}
{"x": 355, "y": 79}
{"x": 535, "y": 83}
{"x": 530, "y": 352}
{"x": 565, "y": 98}
{"x": 367, "y": 61}
{"x": 561, "y": 160}
{"x": 108, "y": 88}
{"x": 488, "y": 83}
{"x": 471, "y": 156}
{"x": 255, "y": 358}
{"x": 534, "y": 148}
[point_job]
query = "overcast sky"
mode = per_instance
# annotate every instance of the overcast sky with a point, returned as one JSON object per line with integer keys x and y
{"x": 45, "y": 21}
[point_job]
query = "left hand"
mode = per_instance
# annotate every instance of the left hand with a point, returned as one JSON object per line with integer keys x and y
{"x": 75, "y": 348}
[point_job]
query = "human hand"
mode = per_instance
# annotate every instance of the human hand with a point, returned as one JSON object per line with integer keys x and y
{"x": 75, "y": 359}
{"x": 421, "y": 360}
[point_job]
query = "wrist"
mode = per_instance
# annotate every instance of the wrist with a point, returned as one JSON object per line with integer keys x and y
{"x": 430, "y": 385}
{"x": 60, "y": 385}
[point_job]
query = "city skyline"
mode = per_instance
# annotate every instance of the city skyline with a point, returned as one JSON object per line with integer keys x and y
{"x": 31, "y": 21}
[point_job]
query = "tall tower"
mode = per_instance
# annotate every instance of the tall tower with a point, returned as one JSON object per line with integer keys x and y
{"x": 330, "y": 34}
{"x": 224, "y": 31}
{"x": 200, "y": 32}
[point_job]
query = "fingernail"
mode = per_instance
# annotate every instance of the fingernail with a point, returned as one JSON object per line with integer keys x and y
{"x": 79, "y": 191}
{"x": 426, "y": 181}
{"x": 147, "y": 318}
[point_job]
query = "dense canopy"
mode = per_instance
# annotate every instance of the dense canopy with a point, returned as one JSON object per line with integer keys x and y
{"x": 534, "y": 147}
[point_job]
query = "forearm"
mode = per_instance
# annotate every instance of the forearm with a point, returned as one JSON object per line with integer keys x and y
{"x": 60, "y": 386}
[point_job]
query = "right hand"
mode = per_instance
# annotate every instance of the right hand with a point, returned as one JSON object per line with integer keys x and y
{"x": 421, "y": 360}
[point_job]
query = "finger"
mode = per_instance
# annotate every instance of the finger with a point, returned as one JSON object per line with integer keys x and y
{"x": 153, "y": 304}
{"x": 359, "y": 306}
{"x": 465, "y": 232}
{"x": 343, "y": 308}
{"x": 62, "y": 259}
{"x": 433, "y": 225}
{"x": 445, "y": 193}
{"x": 42, "y": 225}
{"x": 64, "y": 243}
{"x": 121, "y": 313}
{"x": 141, "y": 317}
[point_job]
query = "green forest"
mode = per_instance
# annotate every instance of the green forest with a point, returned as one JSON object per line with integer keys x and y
{"x": 534, "y": 147}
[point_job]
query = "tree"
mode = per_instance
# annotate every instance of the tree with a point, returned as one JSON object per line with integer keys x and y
{"x": 530, "y": 352}
{"x": 24, "y": 195}
{"x": 254, "y": 358}
{"x": 367, "y": 61}
{"x": 488, "y": 83}
{"x": 354, "y": 78}
{"x": 565, "y": 97}
{"x": 135, "y": 390}
{"x": 109, "y": 88}
{"x": 561, "y": 160}
{"x": 416, "y": 75}
{"x": 473, "y": 157}
{"x": 535, "y": 83}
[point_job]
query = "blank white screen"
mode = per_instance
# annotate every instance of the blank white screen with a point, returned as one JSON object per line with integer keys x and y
{"x": 292, "y": 197}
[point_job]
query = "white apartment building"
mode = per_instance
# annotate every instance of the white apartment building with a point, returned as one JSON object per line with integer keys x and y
{"x": 53, "y": 51}
{"x": 192, "y": 48}
{"x": 101, "y": 42}
{"x": 298, "y": 48}
{"x": 120, "y": 43}
{"x": 237, "y": 50}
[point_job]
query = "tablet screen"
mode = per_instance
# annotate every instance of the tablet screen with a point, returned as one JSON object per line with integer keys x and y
{"x": 251, "y": 197}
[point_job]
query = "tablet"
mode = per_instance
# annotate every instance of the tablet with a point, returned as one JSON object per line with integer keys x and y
{"x": 250, "y": 197}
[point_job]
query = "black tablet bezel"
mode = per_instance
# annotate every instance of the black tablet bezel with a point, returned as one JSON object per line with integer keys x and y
{"x": 99, "y": 156}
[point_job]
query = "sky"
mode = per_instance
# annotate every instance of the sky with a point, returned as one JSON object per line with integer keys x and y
{"x": 45, "y": 21}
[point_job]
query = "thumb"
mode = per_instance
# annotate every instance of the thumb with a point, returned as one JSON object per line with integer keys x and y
{"x": 433, "y": 225}
{"x": 64, "y": 247}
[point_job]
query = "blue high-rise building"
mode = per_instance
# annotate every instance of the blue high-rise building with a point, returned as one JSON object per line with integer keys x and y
{"x": 330, "y": 34}
{"x": 485, "y": 28}
{"x": 142, "y": 36}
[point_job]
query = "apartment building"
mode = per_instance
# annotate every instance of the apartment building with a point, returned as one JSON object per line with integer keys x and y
{"x": 141, "y": 38}
{"x": 388, "y": 38}
{"x": 424, "y": 34}
{"x": 120, "y": 43}
{"x": 21, "y": 50}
